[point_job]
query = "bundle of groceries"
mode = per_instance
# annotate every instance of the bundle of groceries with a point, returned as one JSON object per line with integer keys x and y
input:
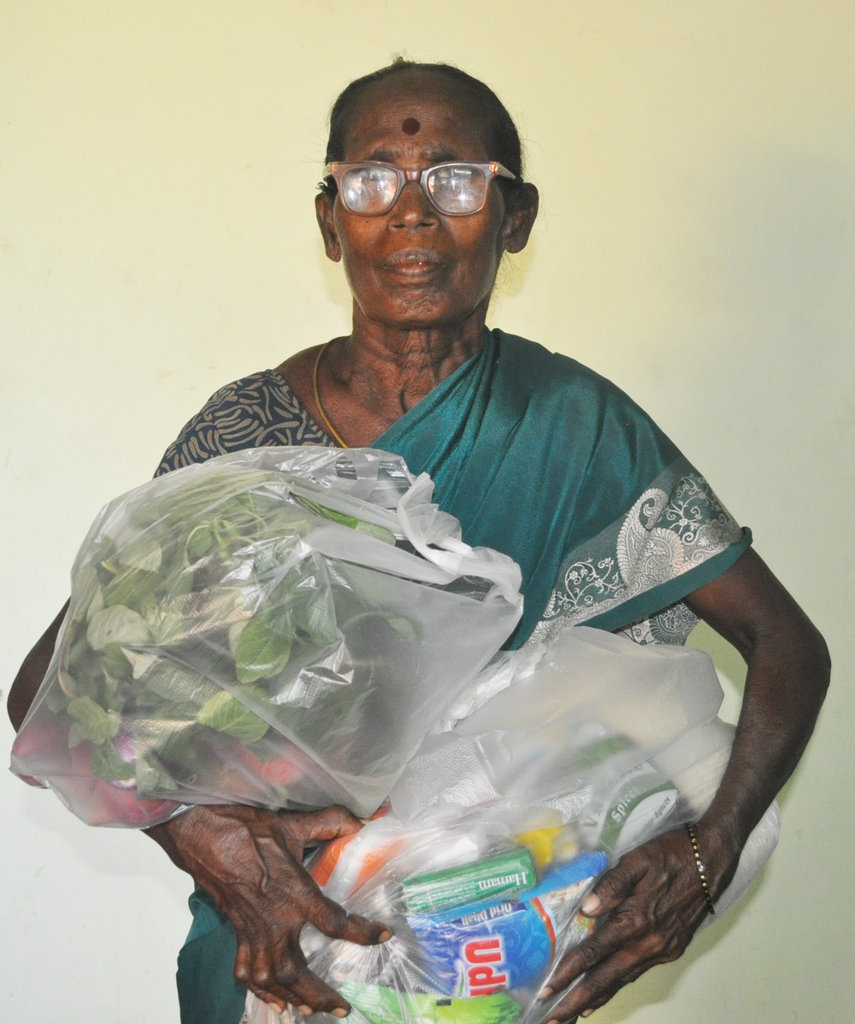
{"x": 277, "y": 627}
{"x": 473, "y": 941}
{"x": 552, "y": 763}
{"x": 297, "y": 627}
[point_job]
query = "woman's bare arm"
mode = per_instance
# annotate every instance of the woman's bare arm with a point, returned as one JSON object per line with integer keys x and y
{"x": 32, "y": 672}
{"x": 651, "y": 903}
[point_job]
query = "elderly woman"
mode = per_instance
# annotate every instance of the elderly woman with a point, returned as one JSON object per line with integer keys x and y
{"x": 538, "y": 457}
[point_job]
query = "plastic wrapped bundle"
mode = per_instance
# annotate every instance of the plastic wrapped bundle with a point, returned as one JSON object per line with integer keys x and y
{"x": 478, "y": 920}
{"x": 278, "y": 627}
{"x": 552, "y": 764}
{"x": 622, "y": 740}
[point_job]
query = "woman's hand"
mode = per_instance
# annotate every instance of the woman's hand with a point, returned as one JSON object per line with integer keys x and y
{"x": 647, "y": 907}
{"x": 250, "y": 861}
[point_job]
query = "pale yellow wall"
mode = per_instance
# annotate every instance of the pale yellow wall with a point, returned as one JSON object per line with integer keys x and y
{"x": 697, "y": 168}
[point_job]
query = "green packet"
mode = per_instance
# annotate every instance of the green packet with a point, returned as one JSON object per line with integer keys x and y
{"x": 503, "y": 874}
{"x": 386, "y": 1006}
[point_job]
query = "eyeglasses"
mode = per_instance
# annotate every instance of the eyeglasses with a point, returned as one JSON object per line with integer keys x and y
{"x": 457, "y": 189}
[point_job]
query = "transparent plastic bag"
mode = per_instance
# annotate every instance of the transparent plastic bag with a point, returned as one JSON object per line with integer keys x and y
{"x": 277, "y": 627}
{"x": 555, "y": 761}
{"x": 625, "y": 740}
{"x": 478, "y": 919}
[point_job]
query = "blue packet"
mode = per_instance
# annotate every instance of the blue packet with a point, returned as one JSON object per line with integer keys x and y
{"x": 484, "y": 948}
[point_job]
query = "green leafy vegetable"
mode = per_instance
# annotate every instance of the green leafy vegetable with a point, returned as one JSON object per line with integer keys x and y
{"x": 189, "y": 612}
{"x": 225, "y": 713}
{"x": 117, "y": 624}
{"x": 91, "y": 722}
{"x": 107, "y": 764}
{"x": 372, "y": 529}
{"x": 133, "y": 588}
{"x": 263, "y": 645}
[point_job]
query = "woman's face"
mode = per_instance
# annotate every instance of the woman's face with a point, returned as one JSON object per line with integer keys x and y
{"x": 413, "y": 267}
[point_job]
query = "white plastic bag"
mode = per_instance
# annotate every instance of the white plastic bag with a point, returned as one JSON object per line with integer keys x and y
{"x": 569, "y": 729}
{"x": 571, "y": 753}
{"x": 276, "y": 627}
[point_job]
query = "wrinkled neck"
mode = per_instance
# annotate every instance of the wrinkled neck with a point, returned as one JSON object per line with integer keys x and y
{"x": 397, "y": 368}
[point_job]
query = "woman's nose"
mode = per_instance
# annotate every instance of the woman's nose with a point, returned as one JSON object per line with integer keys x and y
{"x": 413, "y": 207}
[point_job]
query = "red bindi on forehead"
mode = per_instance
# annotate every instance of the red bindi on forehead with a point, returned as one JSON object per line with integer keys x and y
{"x": 410, "y": 126}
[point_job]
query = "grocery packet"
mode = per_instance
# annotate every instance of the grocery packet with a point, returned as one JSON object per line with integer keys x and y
{"x": 278, "y": 627}
{"x": 478, "y": 913}
{"x": 552, "y": 763}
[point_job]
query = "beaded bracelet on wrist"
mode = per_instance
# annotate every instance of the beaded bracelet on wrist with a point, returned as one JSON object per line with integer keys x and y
{"x": 699, "y": 864}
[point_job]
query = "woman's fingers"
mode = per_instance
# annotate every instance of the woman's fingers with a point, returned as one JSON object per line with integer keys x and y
{"x": 613, "y": 964}
{"x": 250, "y": 861}
{"x": 270, "y": 959}
{"x": 648, "y": 907}
{"x": 315, "y": 826}
{"x": 279, "y": 975}
{"x": 334, "y": 921}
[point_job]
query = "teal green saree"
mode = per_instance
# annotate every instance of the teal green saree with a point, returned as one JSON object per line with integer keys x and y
{"x": 537, "y": 457}
{"x": 541, "y": 458}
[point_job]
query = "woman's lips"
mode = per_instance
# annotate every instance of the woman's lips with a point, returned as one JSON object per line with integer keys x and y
{"x": 413, "y": 262}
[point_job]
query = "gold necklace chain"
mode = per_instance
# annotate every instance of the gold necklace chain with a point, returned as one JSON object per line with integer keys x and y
{"x": 334, "y": 434}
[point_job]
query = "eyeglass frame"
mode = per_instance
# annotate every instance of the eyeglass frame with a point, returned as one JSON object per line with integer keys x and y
{"x": 492, "y": 169}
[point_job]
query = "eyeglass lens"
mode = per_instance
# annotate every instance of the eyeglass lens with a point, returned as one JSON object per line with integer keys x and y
{"x": 457, "y": 188}
{"x": 453, "y": 189}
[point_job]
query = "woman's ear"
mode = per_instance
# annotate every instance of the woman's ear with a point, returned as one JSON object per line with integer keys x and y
{"x": 520, "y": 216}
{"x": 324, "y": 204}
